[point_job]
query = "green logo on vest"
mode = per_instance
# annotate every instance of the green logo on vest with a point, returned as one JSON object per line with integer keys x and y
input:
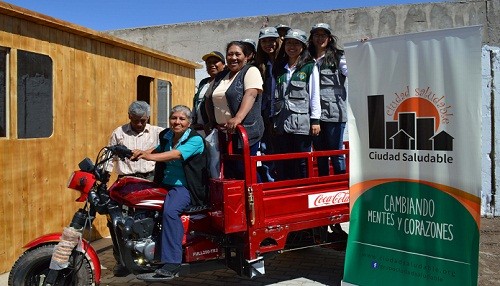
{"x": 301, "y": 75}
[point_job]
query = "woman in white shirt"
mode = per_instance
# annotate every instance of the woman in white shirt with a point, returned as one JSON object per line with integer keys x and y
{"x": 235, "y": 98}
{"x": 332, "y": 67}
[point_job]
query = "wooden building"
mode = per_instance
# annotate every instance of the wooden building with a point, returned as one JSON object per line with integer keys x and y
{"x": 63, "y": 89}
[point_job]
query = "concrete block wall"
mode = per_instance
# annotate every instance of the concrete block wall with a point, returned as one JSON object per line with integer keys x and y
{"x": 192, "y": 40}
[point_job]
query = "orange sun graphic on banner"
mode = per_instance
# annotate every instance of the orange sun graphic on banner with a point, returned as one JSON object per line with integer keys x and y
{"x": 421, "y": 107}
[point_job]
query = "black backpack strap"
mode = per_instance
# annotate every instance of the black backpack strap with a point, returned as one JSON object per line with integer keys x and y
{"x": 160, "y": 166}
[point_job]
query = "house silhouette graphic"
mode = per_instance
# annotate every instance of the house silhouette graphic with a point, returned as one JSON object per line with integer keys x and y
{"x": 402, "y": 140}
{"x": 443, "y": 141}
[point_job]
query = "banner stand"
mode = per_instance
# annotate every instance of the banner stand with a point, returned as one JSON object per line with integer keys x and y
{"x": 415, "y": 160}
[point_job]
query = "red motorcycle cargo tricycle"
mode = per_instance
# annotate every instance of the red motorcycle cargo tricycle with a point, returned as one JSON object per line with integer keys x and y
{"x": 244, "y": 222}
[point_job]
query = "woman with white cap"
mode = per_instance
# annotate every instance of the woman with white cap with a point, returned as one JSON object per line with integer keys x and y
{"x": 282, "y": 30}
{"x": 253, "y": 48}
{"x": 296, "y": 107}
{"x": 267, "y": 52}
{"x": 332, "y": 67}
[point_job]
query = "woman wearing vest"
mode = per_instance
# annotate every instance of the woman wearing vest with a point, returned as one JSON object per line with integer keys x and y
{"x": 296, "y": 106}
{"x": 267, "y": 53}
{"x": 182, "y": 168}
{"x": 333, "y": 72}
{"x": 233, "y": 99}
{"x": 215, "y": 63}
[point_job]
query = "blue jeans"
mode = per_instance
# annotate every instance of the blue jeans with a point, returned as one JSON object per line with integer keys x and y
{"x": 292, "y": 143}
{"x": 331, "y": 137}
{"x": 177, "y": 200}
{"x": 235, "y": 169}
{"x": 267, "y": 170}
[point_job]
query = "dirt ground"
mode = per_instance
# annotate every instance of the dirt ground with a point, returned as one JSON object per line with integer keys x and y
{"x": 489, "y": 252}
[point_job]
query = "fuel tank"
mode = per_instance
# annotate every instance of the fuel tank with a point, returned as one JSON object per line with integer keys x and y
{"x": 138, "y": 193}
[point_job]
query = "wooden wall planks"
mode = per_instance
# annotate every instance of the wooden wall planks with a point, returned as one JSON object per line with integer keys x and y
{"x": 94, "y": 81}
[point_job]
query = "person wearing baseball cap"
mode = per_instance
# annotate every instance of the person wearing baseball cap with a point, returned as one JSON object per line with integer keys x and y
{"x": 297, "y": 107}
{"x": 215, "y": 54}
{"x": 253, "y": 48}
{"x": 215, "y": 63}
{"x": 331, "y": 63}
{"x": 268, "y": 32}
{"x": 282, "y": 30}
{"x": 267, "y": 51}
{"x": 323, "y": 26}
{"x": 298, "y": 35}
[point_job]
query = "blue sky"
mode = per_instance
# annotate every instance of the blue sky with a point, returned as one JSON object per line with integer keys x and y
{"x": 104, "y": 15}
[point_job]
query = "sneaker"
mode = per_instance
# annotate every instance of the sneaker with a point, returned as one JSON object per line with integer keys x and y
{"x": 168, "y": 270}
{"x": 120, "y": 270}
{"x": 337, "y": 234}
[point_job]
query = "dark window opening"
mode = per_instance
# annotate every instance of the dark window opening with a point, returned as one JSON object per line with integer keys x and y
{"x": 3, "y": 92}
{"x": 144, "y": 88}
{"x": 34, "y": 95}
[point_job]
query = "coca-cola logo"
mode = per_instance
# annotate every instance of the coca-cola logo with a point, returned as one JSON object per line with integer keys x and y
{"x": 328, "y": 199}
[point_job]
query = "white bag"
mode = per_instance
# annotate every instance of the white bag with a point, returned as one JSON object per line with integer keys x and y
{"x": 213, "y": 153}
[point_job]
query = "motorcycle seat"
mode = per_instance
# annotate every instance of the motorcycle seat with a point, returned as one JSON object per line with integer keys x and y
{"x": 195, "y": 209}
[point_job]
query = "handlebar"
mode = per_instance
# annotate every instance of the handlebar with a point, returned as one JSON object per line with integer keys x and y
{"x": 106, "y": 154}
{"x": 121, "y": 151}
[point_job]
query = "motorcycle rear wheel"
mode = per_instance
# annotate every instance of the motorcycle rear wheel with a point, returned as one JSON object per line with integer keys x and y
{"x": 32, "y": 269}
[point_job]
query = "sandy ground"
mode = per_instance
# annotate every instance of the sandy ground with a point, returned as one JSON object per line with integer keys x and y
{"x": 489, "y": 252}
{"x": 279, "y": 268}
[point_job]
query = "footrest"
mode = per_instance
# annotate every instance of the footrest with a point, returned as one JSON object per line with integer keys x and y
{"x": 153, "y": 277}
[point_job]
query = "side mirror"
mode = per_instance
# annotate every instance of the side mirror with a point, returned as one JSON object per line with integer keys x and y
{"x": 86, "y": 165}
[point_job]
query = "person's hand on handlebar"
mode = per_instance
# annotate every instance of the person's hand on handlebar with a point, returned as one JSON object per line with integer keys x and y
{"x": 140, "y": 154}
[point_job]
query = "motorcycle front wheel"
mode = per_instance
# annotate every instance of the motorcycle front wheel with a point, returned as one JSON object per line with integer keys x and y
{"x": 32, "y": 269}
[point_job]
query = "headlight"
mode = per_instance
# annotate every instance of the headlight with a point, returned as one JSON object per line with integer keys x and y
{"x": 82, "y": 182}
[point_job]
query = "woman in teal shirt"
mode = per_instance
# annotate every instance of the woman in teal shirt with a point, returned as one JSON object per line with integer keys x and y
{"x": 182, "y": 168}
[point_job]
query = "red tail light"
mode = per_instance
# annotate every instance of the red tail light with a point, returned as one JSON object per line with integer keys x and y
{"x": 82, "y": 182}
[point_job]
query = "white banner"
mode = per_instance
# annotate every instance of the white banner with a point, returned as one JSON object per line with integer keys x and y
{"x": 415, "y": 160}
